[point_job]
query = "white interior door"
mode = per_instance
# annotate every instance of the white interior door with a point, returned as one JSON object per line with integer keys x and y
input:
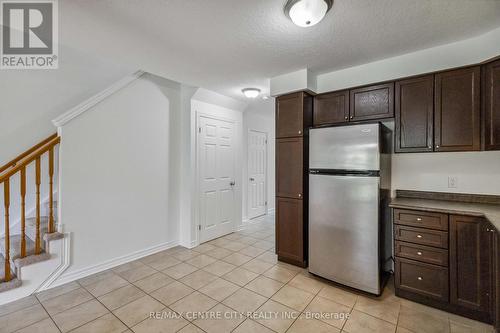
{"x": 257, "y": 165}
{"x": 216, "y": 156}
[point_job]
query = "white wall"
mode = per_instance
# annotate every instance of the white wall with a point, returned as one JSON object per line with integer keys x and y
{"x": 263, "y": 123}
{"x": 120, "y": 178}
{"x": 477, "y": 172}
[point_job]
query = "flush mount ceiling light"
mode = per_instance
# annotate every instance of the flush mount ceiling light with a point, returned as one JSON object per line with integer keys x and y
{"x": 306, "y": 13}
{"x": 251, "y": 92}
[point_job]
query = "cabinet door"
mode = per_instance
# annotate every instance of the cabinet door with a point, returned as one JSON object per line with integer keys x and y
{"x": 492, "y": 106}
{"x": 415, "y": 114}
{"x": 289, "y": 168}
{"x": 496, "y": 278}
{"x": 289, "y": 115}
{"x": 290, "y": 230}
{"x": 332, "y": 108}
{"x": 372, "y": 102}
{"x": 470, "y": 263}
{"x": 457, "y": 110}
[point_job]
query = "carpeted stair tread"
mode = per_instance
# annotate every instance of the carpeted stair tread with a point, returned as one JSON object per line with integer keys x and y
{"x": 15, "y": 246}
{"x": 13, "y": 283}
{"x": 44, "y": 226}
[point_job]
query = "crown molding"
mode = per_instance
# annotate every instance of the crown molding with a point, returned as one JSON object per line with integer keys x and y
{"x": 96, "y": 99}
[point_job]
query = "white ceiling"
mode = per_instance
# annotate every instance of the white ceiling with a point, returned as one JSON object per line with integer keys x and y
{"x": 226, "y": 45}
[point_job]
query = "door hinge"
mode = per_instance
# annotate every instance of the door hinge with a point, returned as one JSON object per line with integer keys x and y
{"x": 199, "y": 129}
{"x": 199, "y": 227}
{"x": 266, "y": 203}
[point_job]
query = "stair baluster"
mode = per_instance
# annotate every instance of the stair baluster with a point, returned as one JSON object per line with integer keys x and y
{"x": 19, "y": 165}
{"x": 38, "y": 248}
{"x": 23, "y": 212}
{"x": 51, "y": 191}
{"x": 6, "y": 199}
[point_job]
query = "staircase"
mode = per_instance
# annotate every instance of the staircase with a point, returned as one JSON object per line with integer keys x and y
{"x": 29, "y": 245}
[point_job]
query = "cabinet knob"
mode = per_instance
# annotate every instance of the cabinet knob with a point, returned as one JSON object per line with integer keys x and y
{"x": 300, "y": 132}
{"x": 300, "y": 195}
{"x": 437, "y": 147}
{"x": 419, "y": 236}
{"x": 346, "y": 118}
{"x": 352, "y": 117}
{"x": 419, "y": 253}
{"x": 430, "y": 147}
{"x": 419, "y": 219}
{"x": 420, "y": 278}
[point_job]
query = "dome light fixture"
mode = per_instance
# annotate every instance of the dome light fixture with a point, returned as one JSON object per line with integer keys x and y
{"x": 251, "y": 92}
{"x": 306, "y": 13}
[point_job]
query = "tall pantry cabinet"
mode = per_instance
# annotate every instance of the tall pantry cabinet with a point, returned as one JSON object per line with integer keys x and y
{"x": 293, "y": 119}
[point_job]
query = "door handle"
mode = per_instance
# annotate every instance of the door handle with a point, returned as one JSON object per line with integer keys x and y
{"x": 232, "y": 183}
{"x": 252, "y": 179}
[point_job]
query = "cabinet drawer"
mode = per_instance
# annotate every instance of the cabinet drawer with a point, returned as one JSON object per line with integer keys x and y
{"x": 421, "y": 219}
{"x": 422, "y": 253}
{"x": 425, "y": 279}
{"x": 421, "y": 236}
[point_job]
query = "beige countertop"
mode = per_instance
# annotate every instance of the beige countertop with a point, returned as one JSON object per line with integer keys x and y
{"x": 489, "y": 211}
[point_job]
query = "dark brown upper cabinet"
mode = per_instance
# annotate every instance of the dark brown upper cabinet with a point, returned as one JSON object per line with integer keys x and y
{"x": 414, "y": 124}
{"x": 471, "y": 255}
{"x": 289, "y": 168}
{"x": 491, "y": 90}
{"x": 331, "y": 108}
{"x": 373, "y": 102}
{"x": 457, "y": 110}
{"x": 293, "y": 114}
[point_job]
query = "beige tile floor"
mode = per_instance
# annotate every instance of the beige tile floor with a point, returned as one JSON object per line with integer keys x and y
{"x": 231, "y": 284}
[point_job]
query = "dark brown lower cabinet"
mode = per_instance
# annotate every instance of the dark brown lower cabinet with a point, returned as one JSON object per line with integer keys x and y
{"x": 457, "y": 271}
{"x": 471, "y": 251}
{"x": 290, "y": 234}
{"x": 425, "y": 279}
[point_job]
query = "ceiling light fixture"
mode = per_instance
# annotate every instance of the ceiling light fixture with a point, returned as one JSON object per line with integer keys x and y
{"x": 251, "y": 92}
{"x": 306, "y": 13}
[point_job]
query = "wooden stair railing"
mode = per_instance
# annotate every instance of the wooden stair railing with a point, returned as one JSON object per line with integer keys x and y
{"x": 18, "y": 165}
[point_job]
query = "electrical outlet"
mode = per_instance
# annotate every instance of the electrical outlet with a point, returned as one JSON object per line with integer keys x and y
{"x": 452, "y": 182}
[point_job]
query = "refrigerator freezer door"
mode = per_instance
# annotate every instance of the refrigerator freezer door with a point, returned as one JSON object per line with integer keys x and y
{"x": 345, "y": 148}
{"x": 344, "y": 230}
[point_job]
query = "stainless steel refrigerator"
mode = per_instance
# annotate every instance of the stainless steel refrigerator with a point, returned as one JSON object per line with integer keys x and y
{"x": 349, "y": 189}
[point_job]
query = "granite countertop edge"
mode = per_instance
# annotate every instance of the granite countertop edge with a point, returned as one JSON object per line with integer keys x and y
{"x": 489, "y": 211}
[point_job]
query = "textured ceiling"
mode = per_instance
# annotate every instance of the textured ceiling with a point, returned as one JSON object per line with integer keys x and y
{"x": 226, "y": 45}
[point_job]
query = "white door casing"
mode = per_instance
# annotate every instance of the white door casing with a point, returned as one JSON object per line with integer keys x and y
{"x": 216, "y": 174}
{"x": 257, "y": 166}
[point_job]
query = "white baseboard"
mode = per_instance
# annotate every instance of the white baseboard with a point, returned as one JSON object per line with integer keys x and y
{"x": 65, "y": 262}
{"x": 81, "y": 273}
